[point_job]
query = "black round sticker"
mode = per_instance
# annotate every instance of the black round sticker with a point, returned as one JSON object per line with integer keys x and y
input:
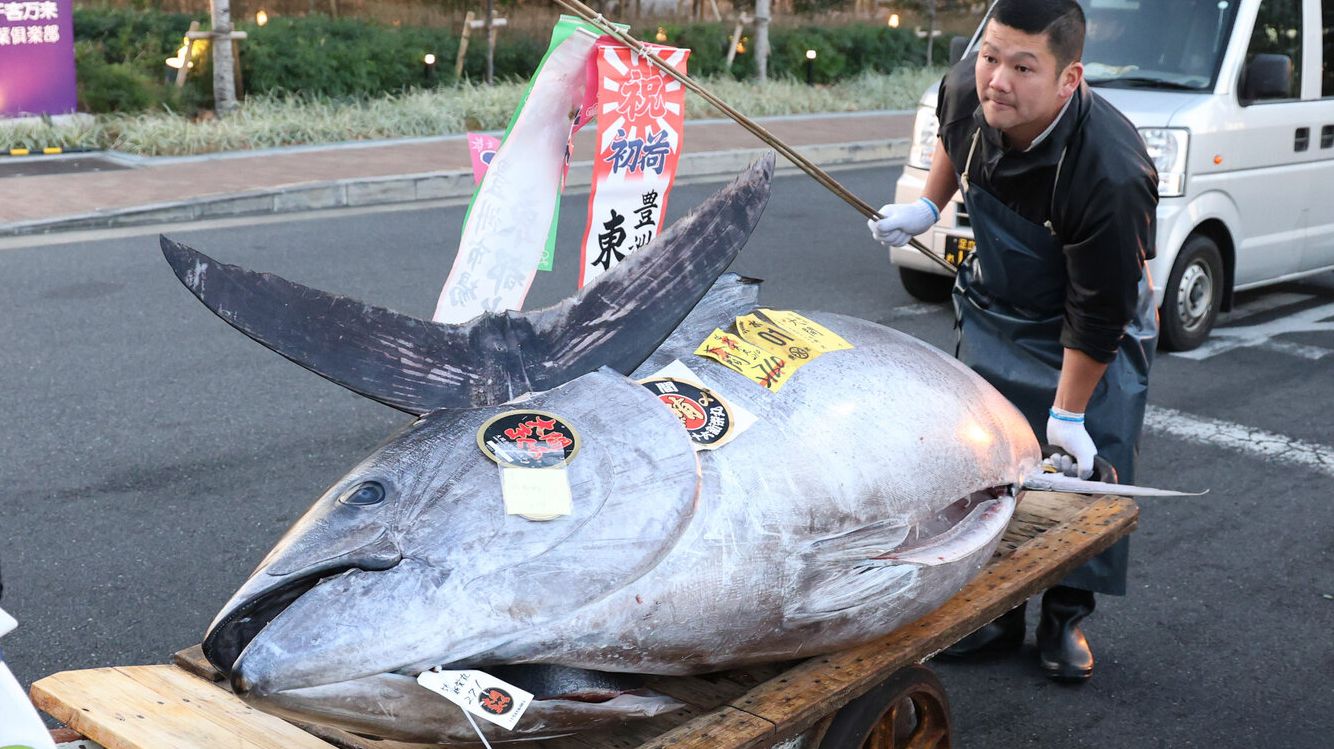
{"x": 495, "y": 701}
{"x": 528, "y": 439}
{"x": 701, "y": 412}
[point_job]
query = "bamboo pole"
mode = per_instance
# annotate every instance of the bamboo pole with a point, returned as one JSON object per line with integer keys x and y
{"x": 786, "y": 151}
{"x": 463, "y": 46}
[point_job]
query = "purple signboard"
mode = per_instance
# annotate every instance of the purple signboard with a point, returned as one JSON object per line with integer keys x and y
{"x": 36, "y": 57}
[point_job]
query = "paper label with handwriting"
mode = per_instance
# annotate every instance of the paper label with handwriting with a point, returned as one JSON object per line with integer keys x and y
{"x": 821, "y": 337}
{"x": 728, "y": 349}
{"x": 479, "y": 693}
{"x": 536, "y": 493}
{"x": 777, "y": 340}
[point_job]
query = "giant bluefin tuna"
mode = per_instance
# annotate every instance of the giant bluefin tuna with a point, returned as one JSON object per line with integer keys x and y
{"x": 865, "y": 493}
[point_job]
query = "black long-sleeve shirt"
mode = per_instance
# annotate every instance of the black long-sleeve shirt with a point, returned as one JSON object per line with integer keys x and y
{"x": 1104, "y": 211}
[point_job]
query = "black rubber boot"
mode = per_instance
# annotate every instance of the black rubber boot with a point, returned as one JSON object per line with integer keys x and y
{"x": 1003, "y": 635}
{"x": 1062, "y": 649}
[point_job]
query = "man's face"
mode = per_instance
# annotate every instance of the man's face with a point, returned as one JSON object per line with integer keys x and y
{"x": 1018, "y": 81}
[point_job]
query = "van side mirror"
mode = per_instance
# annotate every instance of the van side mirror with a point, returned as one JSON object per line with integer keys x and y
{"x": 1267, "y": 76}
{"x": 958, "y": 45}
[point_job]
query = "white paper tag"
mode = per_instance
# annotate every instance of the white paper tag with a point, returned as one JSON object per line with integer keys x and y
{"x": 479, "y": 693}
{"x": 742, "y": 419}
{"x": 536, "y": 493}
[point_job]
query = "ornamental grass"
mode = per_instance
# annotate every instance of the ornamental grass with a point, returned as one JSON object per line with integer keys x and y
{"x": 284, "y": 120}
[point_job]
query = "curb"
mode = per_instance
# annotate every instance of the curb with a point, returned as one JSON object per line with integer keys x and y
{"x": 426, "y": 186}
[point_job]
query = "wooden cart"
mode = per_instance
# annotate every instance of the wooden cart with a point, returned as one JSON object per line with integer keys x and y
{"x": 875, "y": 696}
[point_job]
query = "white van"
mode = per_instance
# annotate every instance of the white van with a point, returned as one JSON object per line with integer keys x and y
{"x": 1235, "y": 100}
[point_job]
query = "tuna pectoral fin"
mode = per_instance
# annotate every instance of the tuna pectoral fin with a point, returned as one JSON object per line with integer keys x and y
{"x": 836, "y": 574}
{"x": 1059, "y": 482}
{"x": 419, "y": 366}
{"x": 980, "y": 527}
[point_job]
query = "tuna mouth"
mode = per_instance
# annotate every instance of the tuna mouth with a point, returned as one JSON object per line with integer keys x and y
{"x": 958, "y": 530}
{"x": 230, "y": 635}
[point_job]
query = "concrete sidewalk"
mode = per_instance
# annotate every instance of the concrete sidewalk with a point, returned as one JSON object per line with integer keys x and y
{"x": 159, "y": 190}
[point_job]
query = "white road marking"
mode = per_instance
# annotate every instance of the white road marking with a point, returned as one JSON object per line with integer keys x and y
{"x": 1233, "y": 337}
{"x": 1268, "y": 446}
{"x": 1265, "y": 303}
{"x": 1314, "y": 353}
{"x": 913, "y": 310}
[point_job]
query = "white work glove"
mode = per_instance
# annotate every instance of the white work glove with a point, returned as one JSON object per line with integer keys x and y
{"x": 903, "y": 221}
{"x": 1065, "y": 429}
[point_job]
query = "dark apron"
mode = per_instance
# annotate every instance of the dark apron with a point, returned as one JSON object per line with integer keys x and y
{"x": 1009, "y": 302}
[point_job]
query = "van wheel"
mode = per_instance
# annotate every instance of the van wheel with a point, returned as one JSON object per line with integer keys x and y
{"x": 1193, "y": 296}
{"x": 926, "y": 287}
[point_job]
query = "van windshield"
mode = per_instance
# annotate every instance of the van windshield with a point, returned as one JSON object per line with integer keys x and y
{"x": 1166, "y": 44}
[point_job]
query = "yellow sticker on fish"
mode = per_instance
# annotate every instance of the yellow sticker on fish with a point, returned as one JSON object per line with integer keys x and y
{"x": 728, "y": 349}
{"x": 777, "y": 340}
{"x": 819, "y": 336}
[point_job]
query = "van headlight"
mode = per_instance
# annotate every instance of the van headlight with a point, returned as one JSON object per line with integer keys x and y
{"x": 924, "y": 131}
{"x": 1167, "y": 147}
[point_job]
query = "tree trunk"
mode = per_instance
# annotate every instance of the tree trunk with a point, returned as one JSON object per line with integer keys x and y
{"x": 930, "y": 30}
{"x": 762, "y": 40}
{"x": 224, "y": 81}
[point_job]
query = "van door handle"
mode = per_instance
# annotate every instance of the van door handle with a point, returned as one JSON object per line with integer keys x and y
{"x": 1303, "y": 139}
{"x": 1327, "y": 136}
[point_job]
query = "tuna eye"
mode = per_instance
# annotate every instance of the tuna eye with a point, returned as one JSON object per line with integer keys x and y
{"x": 369, "y": 493}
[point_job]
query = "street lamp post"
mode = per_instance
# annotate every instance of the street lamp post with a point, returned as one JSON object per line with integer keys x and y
{"x": 810, "y": 67}
{"x": 428, "y": 69}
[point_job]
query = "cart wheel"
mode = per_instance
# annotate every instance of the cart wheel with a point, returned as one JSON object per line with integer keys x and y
{"x": 908, "y": 710}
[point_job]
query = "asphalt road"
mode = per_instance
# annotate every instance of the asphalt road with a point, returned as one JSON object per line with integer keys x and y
{"x": 151, "y": 456}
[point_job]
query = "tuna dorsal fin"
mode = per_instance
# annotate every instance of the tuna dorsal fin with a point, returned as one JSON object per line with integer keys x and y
{"x": 732, "y": 295}
{"x": 419, "y": 366}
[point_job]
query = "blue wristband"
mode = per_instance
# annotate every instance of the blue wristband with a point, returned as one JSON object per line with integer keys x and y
{"x": 1065, "y": 417}
{"x": 934, "y": 210}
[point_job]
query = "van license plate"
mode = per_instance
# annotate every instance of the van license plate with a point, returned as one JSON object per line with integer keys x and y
{"x": 957, "y": 249}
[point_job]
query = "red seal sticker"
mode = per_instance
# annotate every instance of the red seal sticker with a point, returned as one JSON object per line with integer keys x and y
{"x": 495, "y": 701}
{"x": 703, "y": 414}
{"x": 528, "y": 439}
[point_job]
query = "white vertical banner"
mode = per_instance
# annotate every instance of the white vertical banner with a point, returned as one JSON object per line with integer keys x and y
{"x": 508, "y": 225}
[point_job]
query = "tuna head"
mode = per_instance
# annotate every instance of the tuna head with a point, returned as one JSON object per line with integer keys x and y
{"x": 410, "y": 561}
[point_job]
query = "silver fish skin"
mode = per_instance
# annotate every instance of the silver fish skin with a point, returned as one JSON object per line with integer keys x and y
{"x": 778, "y": 545}
{"x": 870, "y": 488}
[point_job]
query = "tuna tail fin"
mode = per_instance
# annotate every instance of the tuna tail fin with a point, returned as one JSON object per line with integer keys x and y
{"x": 420, "y": 366}
{"x": 1059, "y": 482}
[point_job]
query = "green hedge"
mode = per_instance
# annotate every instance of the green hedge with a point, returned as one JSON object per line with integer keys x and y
{"x": 841, "y": 51}
{"x": 121, "y": 54}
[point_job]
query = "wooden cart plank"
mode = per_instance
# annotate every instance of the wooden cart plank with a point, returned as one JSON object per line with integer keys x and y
{"x": 117, "y": 709}
{"x": 192, "y": 661}
{"x": 803, "y": 695}
{"x": 726, "y": 727}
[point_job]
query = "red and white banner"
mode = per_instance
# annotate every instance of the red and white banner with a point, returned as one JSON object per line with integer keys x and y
{"x": 641, "y": 119}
